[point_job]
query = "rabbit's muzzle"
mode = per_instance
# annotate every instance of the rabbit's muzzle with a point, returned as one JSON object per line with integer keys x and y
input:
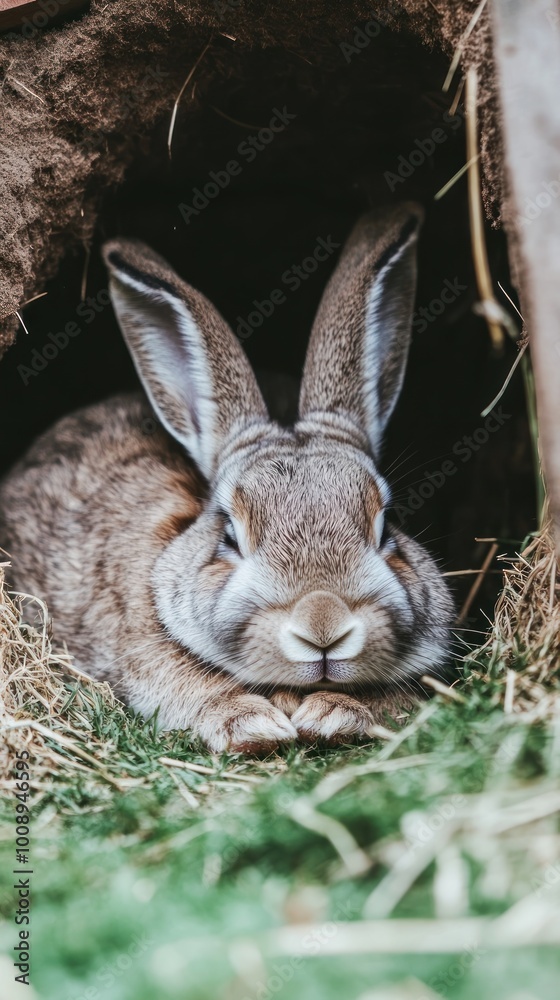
{"x": 322, "y": 631}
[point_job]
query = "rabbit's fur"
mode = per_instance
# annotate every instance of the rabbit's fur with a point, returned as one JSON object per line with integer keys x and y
{"x": 236, "y": 575}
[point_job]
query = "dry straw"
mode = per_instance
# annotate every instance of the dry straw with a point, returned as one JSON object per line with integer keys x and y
{"x": 43, "y": 697}
{"x": 526, "y": 632}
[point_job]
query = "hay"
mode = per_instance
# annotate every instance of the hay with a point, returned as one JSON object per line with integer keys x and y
{"x": 43, "y": 697}
{"x": 522, "y": 651}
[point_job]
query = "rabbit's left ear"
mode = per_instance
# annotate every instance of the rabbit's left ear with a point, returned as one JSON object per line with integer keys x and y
{"x": 359, "y": 343}
{"x": 194, "y": 371}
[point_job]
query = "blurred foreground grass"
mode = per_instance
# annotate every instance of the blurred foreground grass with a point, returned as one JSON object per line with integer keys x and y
{"x": 174, "y": 876}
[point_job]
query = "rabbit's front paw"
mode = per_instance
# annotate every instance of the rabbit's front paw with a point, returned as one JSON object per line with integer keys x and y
{"x": 245, "y": 724}
{"x": 331, "y": 717}
{"x": 287, "y": 701}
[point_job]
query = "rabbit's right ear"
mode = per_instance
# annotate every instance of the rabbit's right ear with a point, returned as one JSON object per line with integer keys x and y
{"x": 193, "y": 369}
{"x": 359, "y": 343}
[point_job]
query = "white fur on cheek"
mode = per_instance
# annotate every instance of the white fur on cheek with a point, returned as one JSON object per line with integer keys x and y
{"x": 426, "y": 656}
{"x": 383, "y": 586}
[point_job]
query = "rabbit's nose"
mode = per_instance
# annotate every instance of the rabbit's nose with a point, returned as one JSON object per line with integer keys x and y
{"x": 321, "y": 624}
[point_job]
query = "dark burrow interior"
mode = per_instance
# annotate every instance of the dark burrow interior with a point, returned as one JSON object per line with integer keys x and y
{"x": 360, "y": 129}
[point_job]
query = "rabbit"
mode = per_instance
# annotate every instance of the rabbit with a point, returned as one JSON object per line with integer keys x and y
{"x": 236, "y": 576}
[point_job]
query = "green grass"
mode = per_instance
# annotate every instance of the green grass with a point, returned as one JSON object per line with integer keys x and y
{"x": 171, "y": 884}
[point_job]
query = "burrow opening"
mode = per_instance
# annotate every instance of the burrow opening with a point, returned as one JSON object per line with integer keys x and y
{"x": 358, "y": 130}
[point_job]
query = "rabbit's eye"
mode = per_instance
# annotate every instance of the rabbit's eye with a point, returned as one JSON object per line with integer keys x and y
{"x": 229, "y": 536}
{"x": 379, "y": 530}
{"x": 382, "y": 533}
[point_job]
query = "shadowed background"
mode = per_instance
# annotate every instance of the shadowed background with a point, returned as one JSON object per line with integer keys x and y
{"x": 365, "y": 112}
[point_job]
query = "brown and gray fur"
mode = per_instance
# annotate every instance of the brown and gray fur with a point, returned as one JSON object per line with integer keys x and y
{"x": 231, "y": 573}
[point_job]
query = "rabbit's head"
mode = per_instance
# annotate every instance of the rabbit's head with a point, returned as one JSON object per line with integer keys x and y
{"x": 290, "y": 575}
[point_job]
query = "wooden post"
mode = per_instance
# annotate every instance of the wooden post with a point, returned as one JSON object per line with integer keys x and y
{"x": 527, "y": 55}
{"x": 33, "y": 16}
